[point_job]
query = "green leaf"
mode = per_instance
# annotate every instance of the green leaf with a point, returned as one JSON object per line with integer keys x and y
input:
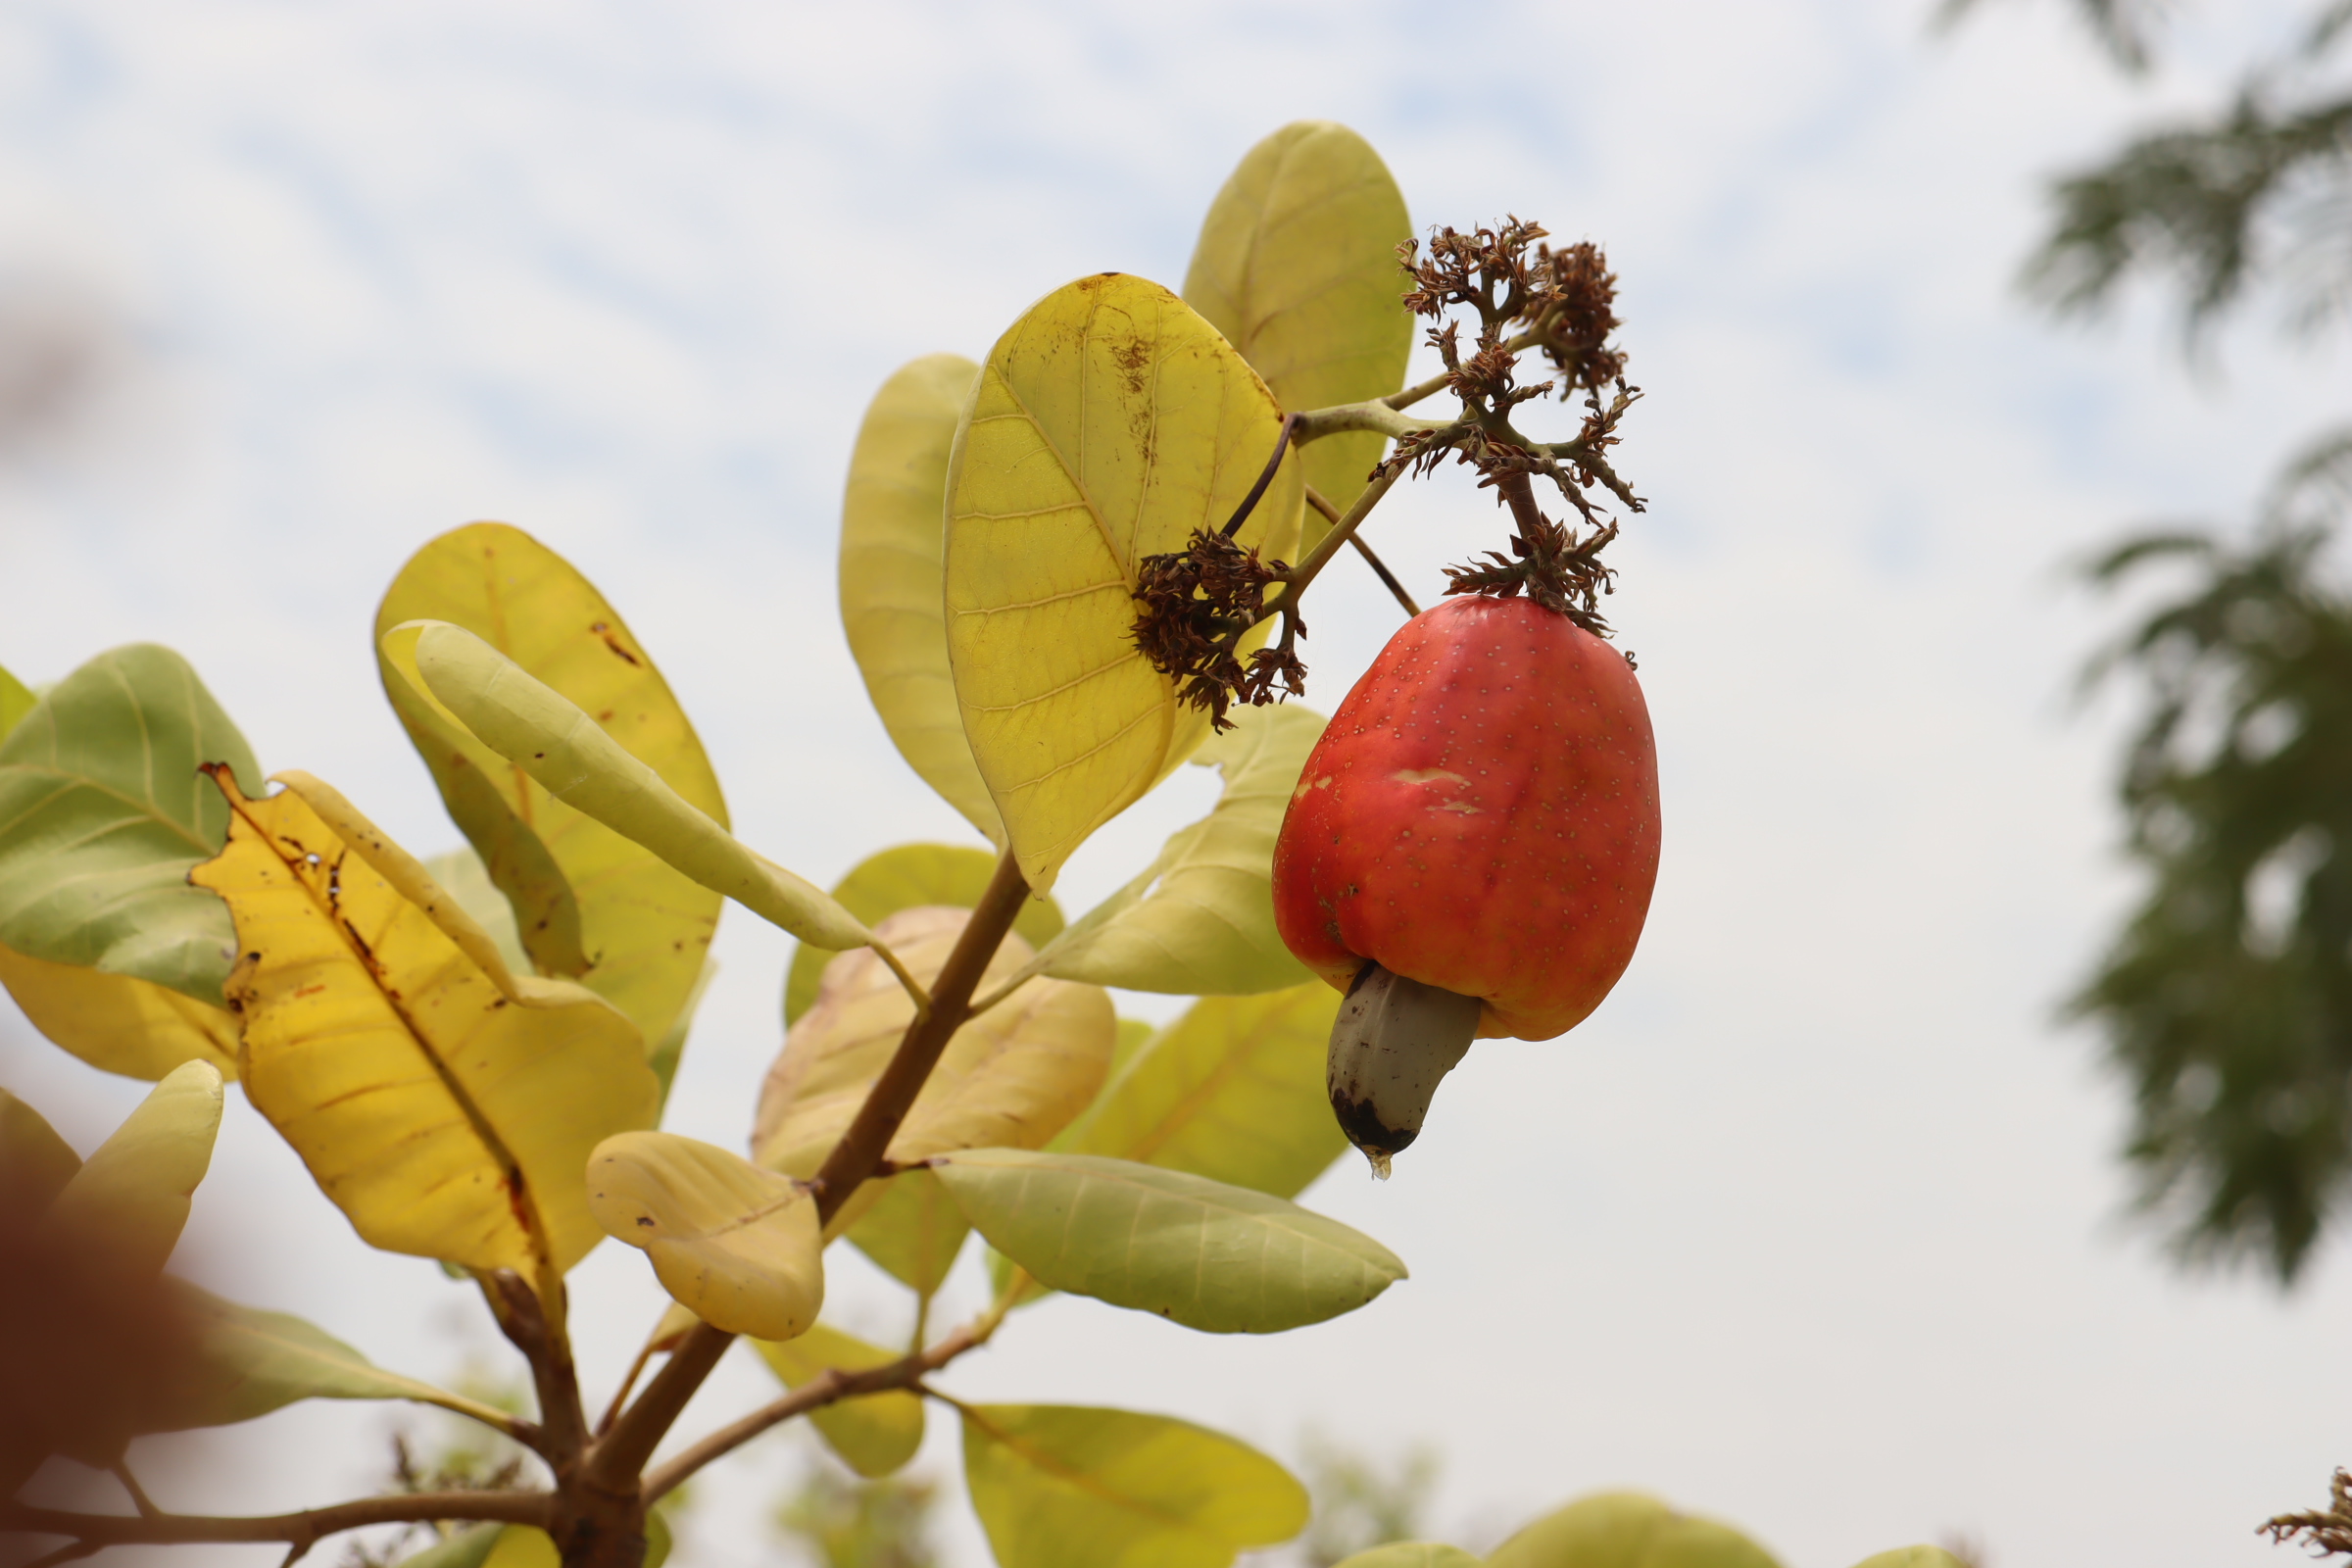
{"x": 1232, "y": 1091}
{"x": 135, "y": 1188}
{"x": 1200, "y": 919}
{"x": 36, "y": 1164}
{"x": 1133, "y": 1035}
{"x": 546, "y": 734}
{"x": 254, "y": 1361}
{"x": 1626, "y": 1530}
{"x": 1223, "y": 1260}
{"x": 1069, "y": 1486}
{"x": 874, "y": 1434}
{"x": 734, "y": 1245}
{"x": 1411, "y": 1555}
{"x": 893, "y": 535}
{"x": 913, "y": 1231}
{"x": 16, "y": 700}
{"x": 1110, "y": 424}
{"x": 907, "y": 876}
{"x": 102, "y": 812}
{"x": 1296, "y": 266}
{"x": 580, "y": 890}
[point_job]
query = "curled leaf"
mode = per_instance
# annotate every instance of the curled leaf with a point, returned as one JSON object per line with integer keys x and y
{"x": 736, "y": 1246}
{"x": 548, "y": 737}
{"x": 579, "y": 891}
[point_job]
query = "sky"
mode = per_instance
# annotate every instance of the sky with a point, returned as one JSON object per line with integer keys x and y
{"x": 1816, "y": 1226}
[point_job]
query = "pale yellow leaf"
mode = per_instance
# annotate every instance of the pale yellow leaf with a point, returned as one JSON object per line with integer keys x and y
{"x": 912, "y": 1230}
{"x": 1296, "y": 266}
{"x": 588, "y": 902}
{"x": 1200, "y": 918}
{"x": 1233, "y": 1090}
{"x": 874, "y": 1434}
{"x": 570, "y": 755}
{"x": 1015, "y": 1076}
{"x": 1069, "y": 1486}
{"x": 900, "y": 878}
{"x": 734, "y": 1245}
{"x": 1110, "y": 424}
{"x": 893, "y": 533}
{"x": 445, "y": 1116}
{"x": 1626, "y": 1530}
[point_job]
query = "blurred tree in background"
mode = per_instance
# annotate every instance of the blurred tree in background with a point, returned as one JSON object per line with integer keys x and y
{"x": 2227, "y": 997}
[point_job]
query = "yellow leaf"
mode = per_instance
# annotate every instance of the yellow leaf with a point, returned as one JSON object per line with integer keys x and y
{"x": 1626, "y": 1530}
{"x": 447, "y": 1115}
{"x": 569, "y": 754}
{"x": 1233, "y": 1090}
{"x": 1200, "y": 918}
{"x": 1110, "y": 423}
{"x": 135, "y": 1188}
{"x": 1012, "y": 1077}
{"x": 734, "y": 1245}
{"x": 1296, "y": 266}
{"x": 893, "y": 529}
{"x": 119, "y": 1022}
{"x": 1060, "y": 1486}
{"x": 900, "y": 878}
{"x": 912, "y": 1230}
{"x": 588, "y": 901}
{"x": 875, "y": 1433}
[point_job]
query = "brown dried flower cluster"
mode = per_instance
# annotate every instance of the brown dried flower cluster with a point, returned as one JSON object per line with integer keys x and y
{"x": 1556, "y": 569}
{"x": 2328, "y": 1532}
{"x": 1198, "y": 604}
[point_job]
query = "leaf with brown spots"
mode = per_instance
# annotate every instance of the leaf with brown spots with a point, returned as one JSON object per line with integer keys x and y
{"x": 1110, "y": 424}
{"x": 446, "y": 1107}
{"x": 588, "y": 902}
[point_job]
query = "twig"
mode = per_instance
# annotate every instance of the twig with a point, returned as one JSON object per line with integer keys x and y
{"x": 538, "y": 1333}
{"x": 621, "y": 1396}
{"x": 1297, "y": 579}
{"x": 138, "y": 1494}
{"x": 827, "y": 1387}
{"x": 68, "y": 1552}
{"x": 310, "y": 1525}
{"x": 1380, "y": 569}
{"x": 622, "y": 1453}
{"x": 1282, "y": 447}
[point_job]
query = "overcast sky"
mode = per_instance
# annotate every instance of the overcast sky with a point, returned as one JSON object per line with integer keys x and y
{"x": 1816, "y": 1226}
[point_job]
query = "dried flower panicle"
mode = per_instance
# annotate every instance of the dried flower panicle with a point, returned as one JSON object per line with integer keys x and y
{"x": 2328, "y": 1532}
{"x": 1198, "y": 604}
{"x": 1553, "y": 566}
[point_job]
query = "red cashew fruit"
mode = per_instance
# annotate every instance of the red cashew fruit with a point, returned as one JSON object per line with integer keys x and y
{"x": 1470, "y": 850}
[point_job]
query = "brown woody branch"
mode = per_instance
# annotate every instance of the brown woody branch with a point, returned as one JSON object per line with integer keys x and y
{"x": 300, "y": 1530}
{"x": 827, "y": 1387}
{"x": 621, "y": 1454}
